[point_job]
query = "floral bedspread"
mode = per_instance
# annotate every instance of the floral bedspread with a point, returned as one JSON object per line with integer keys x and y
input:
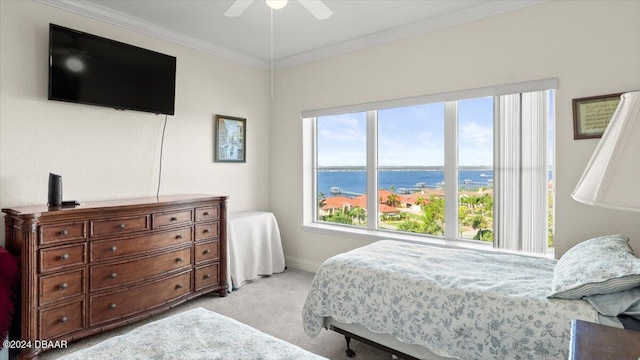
{"x": 457, "y": 303}
{"x": 196, "y": 334}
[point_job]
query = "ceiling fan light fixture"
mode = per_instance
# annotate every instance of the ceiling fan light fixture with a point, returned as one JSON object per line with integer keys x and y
{"x": 276, "y": 4}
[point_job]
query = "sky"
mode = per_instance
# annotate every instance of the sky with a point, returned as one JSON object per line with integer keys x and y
{"x": 409, "y": 136}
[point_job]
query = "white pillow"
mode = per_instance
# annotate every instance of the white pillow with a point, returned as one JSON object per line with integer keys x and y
{"x": 601, "y": 265}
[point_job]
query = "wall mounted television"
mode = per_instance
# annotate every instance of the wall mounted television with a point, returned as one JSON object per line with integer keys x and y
{"x": 89, "y": 69}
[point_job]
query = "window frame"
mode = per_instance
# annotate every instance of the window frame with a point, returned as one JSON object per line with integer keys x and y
{"x": 372, "y": 232}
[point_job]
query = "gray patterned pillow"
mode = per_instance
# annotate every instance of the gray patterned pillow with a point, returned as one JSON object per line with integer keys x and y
{"x": 601, "y": 265}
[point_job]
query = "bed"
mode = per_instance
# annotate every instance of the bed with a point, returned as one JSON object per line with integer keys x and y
{"x": 426, "y": 302}
{"x": 194, "y": 334}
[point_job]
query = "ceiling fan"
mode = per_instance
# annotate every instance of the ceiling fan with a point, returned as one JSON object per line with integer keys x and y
{"x": 316, "y": 7}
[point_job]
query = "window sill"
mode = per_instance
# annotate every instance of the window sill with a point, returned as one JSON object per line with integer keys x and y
{"x": 375, "y": 235}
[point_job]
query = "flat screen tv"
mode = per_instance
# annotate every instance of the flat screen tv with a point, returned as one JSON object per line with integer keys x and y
{"x": 89, "y": 69}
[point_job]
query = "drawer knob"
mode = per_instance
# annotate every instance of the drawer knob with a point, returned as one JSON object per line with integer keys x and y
{"x": 64, "y": 256}
{"x": 178, "y": 237}
{"x": 206, "y": 231}
{"x": 113, "y": 248}
{"x": 64, "y": 232}
{"x": 206, "y": 251}
{"x": 179, "y": 259}
{"x": 206, "y": 213}
{"x": 207, "y": 276}
{"x": 121, "y": 226}
{"x": 173, "y": 218}
{"x": 179, "y": 286}
{"x": 63, "y": 319}
{"x": 64, "y": 286}
{"x": 112, "y": 306}
{"x": 113, "y": 275}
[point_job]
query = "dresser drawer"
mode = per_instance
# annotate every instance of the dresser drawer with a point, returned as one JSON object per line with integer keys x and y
{"x": 207, "y": 251}
{"x": 50, "y": 234}
{"x": 60, "y": 286}
{"x": 207, "y": 213}
{"x": 119, "y": 225}
{"x": 207, "y": 276}
{"x": 116, "y": 305}
{"x": 117, "y": 248}
{"x": 109, "y": 275}
{"x": 208, "y": 230}
{"x": 172, "y": 218}
{"x": 62, "y": 257}
{"x": 61, "y": 320}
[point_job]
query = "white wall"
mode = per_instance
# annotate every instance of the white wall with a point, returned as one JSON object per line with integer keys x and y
{"x": 592, "y": 47}
{"x": 104, "y": 154}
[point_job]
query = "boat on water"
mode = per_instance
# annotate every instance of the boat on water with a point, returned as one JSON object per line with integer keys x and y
{"x": 421, "y": 185}
{"x": 467, "y": 181}
{"x": 336, "y": 190}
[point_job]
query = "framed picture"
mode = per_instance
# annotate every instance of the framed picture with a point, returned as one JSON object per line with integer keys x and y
{"x": 591, "y": 115}
{"x": 230, "y": 143}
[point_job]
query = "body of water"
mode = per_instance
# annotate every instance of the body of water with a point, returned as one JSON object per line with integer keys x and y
{"x": 354, "y": 181}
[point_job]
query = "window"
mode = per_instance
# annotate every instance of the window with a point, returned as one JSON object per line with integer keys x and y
{"x": 341, "y": 171}
{"x": 473, "y": 166}
{"x": 410, "y": 162}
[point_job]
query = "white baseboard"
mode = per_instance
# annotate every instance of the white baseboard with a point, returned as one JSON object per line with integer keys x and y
{"x": 301, "y": 264}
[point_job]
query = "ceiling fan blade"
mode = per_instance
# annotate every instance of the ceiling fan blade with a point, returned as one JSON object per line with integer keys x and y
{"x": 318, "y": 8}
{"x": 237, "y": 8}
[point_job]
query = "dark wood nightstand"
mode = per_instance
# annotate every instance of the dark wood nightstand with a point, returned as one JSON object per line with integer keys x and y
{"x": 595, "y": 341}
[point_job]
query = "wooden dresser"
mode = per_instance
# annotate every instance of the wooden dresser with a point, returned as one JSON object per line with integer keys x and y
{"x": 102, "y": 265}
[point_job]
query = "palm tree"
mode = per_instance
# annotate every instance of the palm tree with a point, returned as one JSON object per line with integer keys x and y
{"x": 339, "y": 216}
{"x": 433, "y": 210}
{"x": 359, "y": 214}
{"x": 463, "y": 211}
{"x": 393, "y": 200}
{"x": 479, "y": 222}
{"x": 321, "y": 200}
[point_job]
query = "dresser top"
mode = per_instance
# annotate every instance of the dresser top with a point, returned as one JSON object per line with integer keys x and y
{"x": 43, "y": 210}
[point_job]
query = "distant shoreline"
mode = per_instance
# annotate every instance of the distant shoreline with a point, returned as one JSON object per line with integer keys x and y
{"x": 401, "y": 168}
{"x": 406, "y": 168}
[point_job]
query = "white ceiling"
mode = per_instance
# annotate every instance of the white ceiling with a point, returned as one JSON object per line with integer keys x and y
{"x": 298, "y": 37}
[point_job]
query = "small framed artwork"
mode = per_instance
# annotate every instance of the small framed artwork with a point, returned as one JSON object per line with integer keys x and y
{"x": 230, "y": 142}
{"x": 591, "y": 115}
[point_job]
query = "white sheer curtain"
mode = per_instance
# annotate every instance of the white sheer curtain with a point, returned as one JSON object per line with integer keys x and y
{"x": 521, "y": 196}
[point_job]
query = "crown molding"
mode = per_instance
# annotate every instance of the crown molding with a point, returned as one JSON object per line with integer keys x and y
{"x": 421, "y": 27}
{"x": 136, "y": 24}
{"x": 480, "y": 11}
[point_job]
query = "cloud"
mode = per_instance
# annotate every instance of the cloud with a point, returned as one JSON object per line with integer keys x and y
{"x": 472, "y": 133}
{"x": 406, "y": 136}
{"x": 342, "y": 140}
{"x": 342, "y": 128}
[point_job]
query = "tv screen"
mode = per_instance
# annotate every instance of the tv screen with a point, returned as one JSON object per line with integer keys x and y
{"x": 89, "y": 69}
